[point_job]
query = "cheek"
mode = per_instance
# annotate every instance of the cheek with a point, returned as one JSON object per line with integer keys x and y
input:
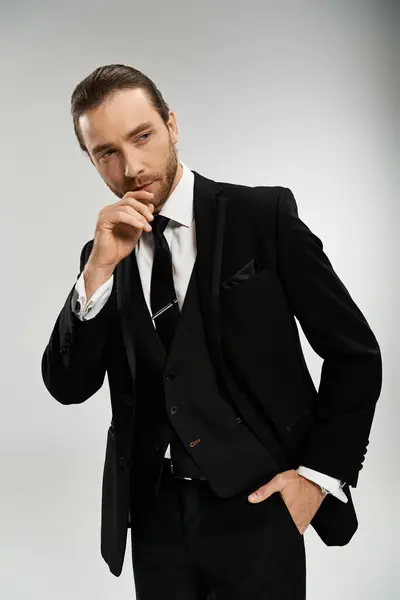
{"x": 112, "y": 172}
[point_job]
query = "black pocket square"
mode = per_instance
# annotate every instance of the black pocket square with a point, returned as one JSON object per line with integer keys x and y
{"x": 244, "y": 273}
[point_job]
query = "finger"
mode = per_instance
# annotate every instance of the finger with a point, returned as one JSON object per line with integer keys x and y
{"x": 139, "y": 206}
{"x": 139, "y": 195}
{"x": 135, "y": 194}
{"x": 133, "y": 220}
{"x": 132, "y": 211}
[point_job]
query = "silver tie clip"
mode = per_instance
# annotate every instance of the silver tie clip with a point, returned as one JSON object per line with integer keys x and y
{"x": 159, "y": 312}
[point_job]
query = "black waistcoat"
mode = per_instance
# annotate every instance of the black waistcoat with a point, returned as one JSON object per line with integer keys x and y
{"x": 178, "y": 395}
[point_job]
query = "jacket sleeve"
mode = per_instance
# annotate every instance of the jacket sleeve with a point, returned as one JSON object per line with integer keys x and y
{"x": 74, "y": 360}
{"x": 351, "y": 374}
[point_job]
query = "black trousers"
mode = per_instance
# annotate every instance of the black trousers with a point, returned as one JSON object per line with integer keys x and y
{"x": 188, "y": 544}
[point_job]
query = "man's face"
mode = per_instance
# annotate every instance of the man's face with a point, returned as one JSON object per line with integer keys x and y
{"x": 127, "y": 159}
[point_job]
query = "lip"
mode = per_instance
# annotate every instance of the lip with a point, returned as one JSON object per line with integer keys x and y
{"x": 145, "y": 187}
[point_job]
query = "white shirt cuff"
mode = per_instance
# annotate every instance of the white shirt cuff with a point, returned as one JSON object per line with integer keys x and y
{"x": 88, "y": 310}
{"x": 331, "y": 484}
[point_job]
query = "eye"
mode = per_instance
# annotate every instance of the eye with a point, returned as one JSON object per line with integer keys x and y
{"x": 145, "y": 135}
{"x": 106, "y": 154}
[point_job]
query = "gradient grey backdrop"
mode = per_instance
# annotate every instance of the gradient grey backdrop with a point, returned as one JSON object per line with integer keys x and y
{"x": 298, "y": 94}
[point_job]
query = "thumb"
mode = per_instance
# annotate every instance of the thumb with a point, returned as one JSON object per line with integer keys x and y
{"x": 266, "y": 490}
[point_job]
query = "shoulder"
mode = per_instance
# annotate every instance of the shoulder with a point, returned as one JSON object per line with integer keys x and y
{"x": 261, "y": 199}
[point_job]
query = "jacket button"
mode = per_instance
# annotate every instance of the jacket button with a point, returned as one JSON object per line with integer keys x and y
{"x": 174, "y": 410}
{"x": 170, "y": 376}
{"x": 122, "y": 462}
{"x": 158, "y": 446}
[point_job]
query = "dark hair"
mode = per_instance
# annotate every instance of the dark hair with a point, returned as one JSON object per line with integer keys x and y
{"x": 102, "y": 83}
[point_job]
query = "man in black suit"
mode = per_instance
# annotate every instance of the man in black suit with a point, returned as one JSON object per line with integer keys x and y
{"x": 187, "y": 298}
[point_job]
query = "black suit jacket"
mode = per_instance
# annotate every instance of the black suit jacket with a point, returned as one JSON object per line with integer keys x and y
{"x": 260, "y": 266}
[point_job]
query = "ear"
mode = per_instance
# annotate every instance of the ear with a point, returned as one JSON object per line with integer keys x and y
{"x": 173, "y": 127}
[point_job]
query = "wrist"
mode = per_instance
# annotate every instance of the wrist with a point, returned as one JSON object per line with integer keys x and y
{"x": 97, "y": 273}
{"x": 94, "y": 276}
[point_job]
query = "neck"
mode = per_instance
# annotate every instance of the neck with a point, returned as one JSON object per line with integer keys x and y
{"x": 178, "y": 177}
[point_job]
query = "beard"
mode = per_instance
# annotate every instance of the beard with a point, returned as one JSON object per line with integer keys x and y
{"x": 165, "y": 179}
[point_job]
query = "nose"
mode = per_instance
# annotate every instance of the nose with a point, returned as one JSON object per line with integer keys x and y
{"x": 132, "y": 168}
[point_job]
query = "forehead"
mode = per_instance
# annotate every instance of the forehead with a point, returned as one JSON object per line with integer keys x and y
{"x": 117, "y": 115}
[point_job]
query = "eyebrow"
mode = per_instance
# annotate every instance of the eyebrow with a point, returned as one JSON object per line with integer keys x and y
{"x": 131, "y": 133}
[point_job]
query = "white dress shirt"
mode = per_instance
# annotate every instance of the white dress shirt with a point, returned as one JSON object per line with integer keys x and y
{"x": 181, "y": 238}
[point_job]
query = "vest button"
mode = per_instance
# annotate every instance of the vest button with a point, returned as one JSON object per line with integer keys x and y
{"x": 174, "y": 410}
{"x": 170, "y": 376}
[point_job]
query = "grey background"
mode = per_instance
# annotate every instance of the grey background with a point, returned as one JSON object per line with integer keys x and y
{"x": 299, "y": 94}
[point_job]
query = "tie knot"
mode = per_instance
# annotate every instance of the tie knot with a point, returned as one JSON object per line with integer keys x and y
{"x": 159, "y": 223}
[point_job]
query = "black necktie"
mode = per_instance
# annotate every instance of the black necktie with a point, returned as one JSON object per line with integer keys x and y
{"x": 163, "y": 300}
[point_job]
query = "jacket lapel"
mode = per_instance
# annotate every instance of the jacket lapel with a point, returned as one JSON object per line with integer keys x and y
{"x": 209, "y": 214}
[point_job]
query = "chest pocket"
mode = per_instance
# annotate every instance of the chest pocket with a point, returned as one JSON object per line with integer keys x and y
{"x": 249, "y": 273}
